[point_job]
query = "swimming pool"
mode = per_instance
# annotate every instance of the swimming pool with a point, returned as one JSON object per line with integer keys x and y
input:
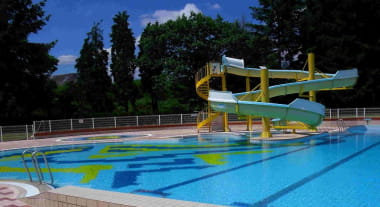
{"x": 226, "y": 169}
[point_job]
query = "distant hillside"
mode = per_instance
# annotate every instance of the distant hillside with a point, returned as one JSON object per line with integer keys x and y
{"x": 65, "y": 78}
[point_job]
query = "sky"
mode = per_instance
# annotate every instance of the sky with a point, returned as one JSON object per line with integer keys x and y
{"x": 71, "y": 20}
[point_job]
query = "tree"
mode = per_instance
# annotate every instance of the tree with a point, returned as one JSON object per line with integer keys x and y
{"x": 279, "y": 31}
{"x": 93, "y": 79}
{"x": 25, "y": 90}
{"x": 123, "y": 60}
{"x": 341, "y": 35}
{"x": 152, "y": 47}
{"x": 171, "y": 53}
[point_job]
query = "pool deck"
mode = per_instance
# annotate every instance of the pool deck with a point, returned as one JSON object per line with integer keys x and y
{"x": 156, "y": 133}
{"x": 11, "y": 194}
{"x": 79, "y": 196}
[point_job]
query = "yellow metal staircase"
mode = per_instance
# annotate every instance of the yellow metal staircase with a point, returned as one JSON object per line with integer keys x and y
{"x": 205, "y": 119}
{"x": 202, "y": 82}
{"x": 202, "y": 86}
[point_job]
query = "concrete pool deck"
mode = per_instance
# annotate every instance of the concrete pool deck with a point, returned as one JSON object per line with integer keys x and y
{"x": 65, "y": 196}
{"x": 12, "y": 192}
{"x": 71, "y": 196}
{"x": 156, "y": 133}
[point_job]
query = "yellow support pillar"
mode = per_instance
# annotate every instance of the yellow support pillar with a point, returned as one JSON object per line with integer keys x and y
{"x": 249, "y": 118}
{"x": 209, "y": 115}
{"x": 311, "y": 66}
{"x": 264, "y": 86}
{"x": 225, "y": 114}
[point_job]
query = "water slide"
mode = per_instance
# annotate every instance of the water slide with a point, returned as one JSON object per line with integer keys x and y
{"x": 308, "y": 112}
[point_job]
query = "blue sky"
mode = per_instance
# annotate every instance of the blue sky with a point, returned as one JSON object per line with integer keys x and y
{"x": 72, "y": 19}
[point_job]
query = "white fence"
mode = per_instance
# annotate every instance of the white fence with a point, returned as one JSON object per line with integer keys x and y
{"x": 15, "y": 132}
{"x": 113, "y": 122}
{"x": 22, "y": 132}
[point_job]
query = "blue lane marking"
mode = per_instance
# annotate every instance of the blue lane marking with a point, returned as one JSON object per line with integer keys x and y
{"x": 279, "y": 194}
{"x": 160, "y": 190}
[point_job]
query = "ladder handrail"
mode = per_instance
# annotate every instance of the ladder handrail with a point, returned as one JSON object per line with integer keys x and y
{"x": 24, "y": 162}
{"x": 34, "y": 157}
{"x": 341, "y": 125}
{"x": 38, "y": 168}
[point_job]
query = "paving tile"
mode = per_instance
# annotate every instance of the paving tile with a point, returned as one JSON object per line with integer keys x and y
{"x": 53, "y": 196}
{"x": 62, "y": 198}
{"x": 91, "y": 202}
{"x": 81, "y": 201}
{"x": 71, "y": 199}
{"x": 103, "y": 204}
{"x": 115, "y": 205}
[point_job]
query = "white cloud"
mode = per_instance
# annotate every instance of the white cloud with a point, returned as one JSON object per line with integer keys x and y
{"x": 136, "y": 76}
{"x": 215, "y": 6}
{"x": 109, "y": 61}
{"x": 138, "y": 38}
{"x": 67, "y": 59}
{"x": 109, "y": 53}
{"x": 162, "y": 16}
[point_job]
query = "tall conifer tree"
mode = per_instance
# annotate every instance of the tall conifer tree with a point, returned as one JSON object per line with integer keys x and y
{"x": 123, "y": 58}
{"x": 93, "y": 79}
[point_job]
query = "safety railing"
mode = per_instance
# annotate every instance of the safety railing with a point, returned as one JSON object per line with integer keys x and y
{"x": 24, "y": 132}
{"x": 341, "y": 125}
{"x": 33, "y": 154}
{"x": 16, "y": 132}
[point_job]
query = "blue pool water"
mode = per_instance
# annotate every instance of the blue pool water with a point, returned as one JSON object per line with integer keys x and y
{"x": 322, "y": 170}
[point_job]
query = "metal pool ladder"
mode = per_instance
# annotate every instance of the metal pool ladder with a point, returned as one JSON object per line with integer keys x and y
{"x": 341, "y": 125}
{"x": 34, "y": 157}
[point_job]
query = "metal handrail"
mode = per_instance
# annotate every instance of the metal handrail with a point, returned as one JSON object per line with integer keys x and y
{"x": 40, "y": 174}
{"x": 34, "y": 157}
{"x": 24, "y": 162}
{"x": 341, "y": 125}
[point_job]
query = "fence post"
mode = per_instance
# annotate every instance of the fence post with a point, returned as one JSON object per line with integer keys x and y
{"x": 181, "y": 119}
{"x": 137, "y": 120}
{"x": 1, "y": 133}
{"x": 34, "y": 129}
{"x": 49, "y": 126}
{"x": 93, "y": 123}
{"x": 26, "y": 131}
{"x": 159, "y": 120}
{"x": 114, "y": 120}
{"x": 337, "y": 113}
{"x": 357, "y": 113}
{"x": 364, "y": 114}
{"x": 71, "y": 124}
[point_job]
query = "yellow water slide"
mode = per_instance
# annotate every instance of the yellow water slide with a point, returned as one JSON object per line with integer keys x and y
{"x": 248, "y": 103}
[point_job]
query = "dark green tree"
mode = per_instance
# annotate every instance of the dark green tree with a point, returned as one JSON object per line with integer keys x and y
{"x": 152, "y": 48}
{"x": 171, "y": 54}
{"x": 93, "y": 79}
{"x": 25, "y": 90}
{"x": 123, "y": 60}
{"x": 278, "y": 31}
{"x": 341, "y": 33}
{"x": 64, "y": 96}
